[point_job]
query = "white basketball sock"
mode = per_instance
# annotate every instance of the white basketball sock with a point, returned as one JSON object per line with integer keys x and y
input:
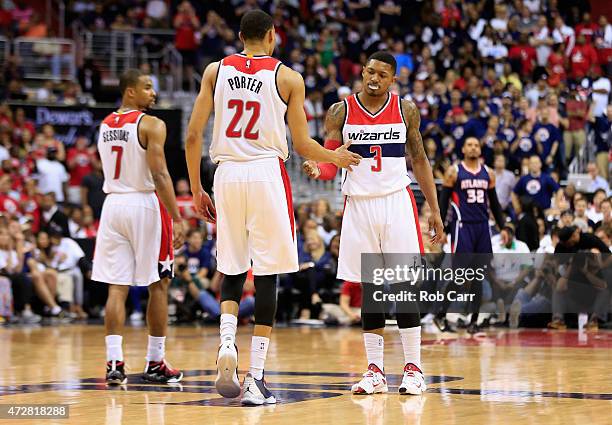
{"x": 156, "y": 348}
{"x": 259, "y": 352}
{"x": 411, "y": 342}
{"x": 375, "y": 347}
{"x": 227, "y": 329}
{"x": 114, "y": 350}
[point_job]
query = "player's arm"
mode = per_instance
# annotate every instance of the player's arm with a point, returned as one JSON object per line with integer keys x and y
{"x": 153, "y": 132}
{"x": 448, "y": 183}
{"x": 296, "y": 119}
{"x": 333, "y": 140}
{"x": 496, "y": 208}
{"x": 202, "y": 108}
{"x": 422, "y": 169}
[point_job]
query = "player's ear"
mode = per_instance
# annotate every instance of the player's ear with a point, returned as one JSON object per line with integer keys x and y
{"x": 240, "y": 37}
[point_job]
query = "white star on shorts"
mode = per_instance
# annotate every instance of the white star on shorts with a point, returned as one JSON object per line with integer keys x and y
{"x": 166, "y": 264}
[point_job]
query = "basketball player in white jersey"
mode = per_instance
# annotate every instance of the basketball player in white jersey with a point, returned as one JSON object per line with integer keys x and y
{"x": 140, "y": 220}
{"x": 380, "y": 214}
{"x": 250, "y": 93}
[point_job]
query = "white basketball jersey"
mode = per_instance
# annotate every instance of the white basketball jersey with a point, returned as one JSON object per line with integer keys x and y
{"x": 380, "y": 139}
{"x": 249, "y": 111}
{"x": 124, "y": 161}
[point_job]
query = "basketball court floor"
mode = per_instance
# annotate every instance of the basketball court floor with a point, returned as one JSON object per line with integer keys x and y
{"x": 505, "y": 377}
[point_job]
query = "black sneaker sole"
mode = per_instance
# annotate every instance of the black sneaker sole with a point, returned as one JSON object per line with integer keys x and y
{"x": 156, "y": 379}
{"x": 116, "y": 381}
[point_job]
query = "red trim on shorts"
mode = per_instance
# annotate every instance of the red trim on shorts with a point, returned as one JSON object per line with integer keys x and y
{"x": 415, "y": 211}
{"x": 288, "y": 195}
{"x": 165, "y": 247}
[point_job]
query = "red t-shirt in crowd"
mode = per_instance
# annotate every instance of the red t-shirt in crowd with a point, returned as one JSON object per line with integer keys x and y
{"x": 8, "y": 205}
{"x": 588, "y": 30}
{"x": 19, "y": 129}
{"x": 572, "y": 106}
{"x": 581, "y": 59}
{"x": 187, "y": 210}
{"x": 184, "y": 38}
{"x": 556, "y": 65}
{"x": 353, "y": 290}
{"x": 527, "y": 55}
{"x": 29, "y": 206}
{"x": 82, "y": 164}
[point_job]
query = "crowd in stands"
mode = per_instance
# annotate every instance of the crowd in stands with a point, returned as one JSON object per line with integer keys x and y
{"x": 529, "y": 78}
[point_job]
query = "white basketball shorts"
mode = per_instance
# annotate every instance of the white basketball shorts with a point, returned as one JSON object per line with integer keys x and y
{"x": 377, "y": 225}
{"x": 134, "y": 242}
{"x": 255, "y": 221}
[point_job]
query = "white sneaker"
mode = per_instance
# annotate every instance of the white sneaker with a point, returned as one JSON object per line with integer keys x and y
{"x": 255, "y": 392}
{"x": 227, "y": 382}
{"x": 136, "y": 316}
{"x": 373, "y": 382}
{"x": 515, "y": 313}
{"x": 428, "y": 319}
{"x": 413, "y": 381}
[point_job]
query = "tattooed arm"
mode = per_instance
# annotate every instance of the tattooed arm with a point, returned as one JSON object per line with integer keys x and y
{"x": 421, "y": 168}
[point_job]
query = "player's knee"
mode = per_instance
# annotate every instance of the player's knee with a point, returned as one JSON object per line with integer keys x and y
{"x": 371, "y": 321}
{"x": 231, "y": 288}
{"x": 265, "y": 300}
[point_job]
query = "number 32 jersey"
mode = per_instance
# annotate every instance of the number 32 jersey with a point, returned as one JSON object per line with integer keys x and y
{"x": 380, "y": 138}
{"x": 249, "y": 111}
{"x": 124, "y": 160}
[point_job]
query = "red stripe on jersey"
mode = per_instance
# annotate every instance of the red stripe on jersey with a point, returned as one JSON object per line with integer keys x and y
{"x": 166, "y": 252}
{"x": 288, "y": 195}
{"x": 250, "y": 66}
{"x": 390, "y": 114}
{"x": 116, "y": 120}
{"x": 415, "y": 211}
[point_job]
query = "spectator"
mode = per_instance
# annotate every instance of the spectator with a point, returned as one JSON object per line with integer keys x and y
{"x": 603, "y": 140}
{"x": 198, "y": 255}
{"x": 184, "y": 201}
{"x": 574, "y": 136}
{"x": 537, "y": 185}
{"x": 92, "y": 194}
{"x": 79, "y": 160}
{"x": 582, "y": 57}
{"x": 527, "y": 226}
{"x": 52, "y": 218}
{"x": 601, "y": 95}
{"x": 580, "y": 218}
{"x": 597, "y": 182}
{"x": 504, "y": 183}
{"x": 524, "y": 55}
{"x": 186, "y": 23}
{"x": 52, "y": 175}
{"x": 548, "y": 136}
{"x": 594, "y": 213}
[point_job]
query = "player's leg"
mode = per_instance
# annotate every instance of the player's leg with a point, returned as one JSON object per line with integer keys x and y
{"x": 403, "y": 235}
{"x": 113, "y": 264}
{"x": 233, "y": 261}
{"x": 359, "y": 236}
{"x": 482, "y": 248}
{"x": 154, "y": 268}
{"x": 273, "y": 249}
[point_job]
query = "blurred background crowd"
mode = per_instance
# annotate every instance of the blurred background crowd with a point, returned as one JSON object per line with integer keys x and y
{"x": 529, "y": 78}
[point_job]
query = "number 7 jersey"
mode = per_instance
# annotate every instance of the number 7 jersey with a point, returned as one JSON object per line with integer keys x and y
{"x": 249, "y": 111}
{"x": 380, "y": 138}
{"x": 124, "y": 159}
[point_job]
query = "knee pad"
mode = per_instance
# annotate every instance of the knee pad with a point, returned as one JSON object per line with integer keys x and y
{"x": 371, "y": 321}
{"x": 265, "y": 300}
{"x": 408, "y": 320}
{"x": 231, "y": 288}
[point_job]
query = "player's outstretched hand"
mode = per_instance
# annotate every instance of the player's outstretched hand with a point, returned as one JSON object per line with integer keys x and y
{"x": 178, "y": 233}
{"x": 436, "y": 229}
{"x": 311, "y": 169}
{"x": 204, "y": 206}
{"x": 345, "y": 158}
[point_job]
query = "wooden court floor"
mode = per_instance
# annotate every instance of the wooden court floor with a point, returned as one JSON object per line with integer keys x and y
{"x": 505, "y": 377}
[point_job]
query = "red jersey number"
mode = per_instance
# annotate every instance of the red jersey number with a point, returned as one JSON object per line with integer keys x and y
{"x": 241, "y": 106}
{"x": 377, "y": 151}
{"x": 119, "y": 151}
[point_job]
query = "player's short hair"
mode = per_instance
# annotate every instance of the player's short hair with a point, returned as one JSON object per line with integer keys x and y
{"x": 129, "y": 78}
{"x": 385, "y": 57}
{"x": 255, "y": 24}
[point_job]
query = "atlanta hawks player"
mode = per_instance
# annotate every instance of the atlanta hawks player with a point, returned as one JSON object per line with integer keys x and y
{"x": 380, "y": 213}
{"x": 139, "y": 221}
{"x": 250, "y": 94}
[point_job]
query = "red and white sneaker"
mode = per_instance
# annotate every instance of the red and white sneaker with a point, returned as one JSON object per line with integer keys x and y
{"x": 161, "y": 372}
{"x": 373, "y": 382}
{"x": 413, "y": 381}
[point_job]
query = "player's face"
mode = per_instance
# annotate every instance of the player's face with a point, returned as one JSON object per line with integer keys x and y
{"x": 144, "y": 93}
{"x": 471, "y": 149}
{"x": 377, "y": 77}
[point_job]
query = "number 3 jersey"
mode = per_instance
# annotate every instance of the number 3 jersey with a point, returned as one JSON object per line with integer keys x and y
{"x": 380, "y": 138}
{"x": 124, "y": 160}
{"x": 249, "y": 111}
{"x": 471, "y": 194}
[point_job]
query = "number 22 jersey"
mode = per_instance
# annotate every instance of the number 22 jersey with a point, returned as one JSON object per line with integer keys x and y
{"x": 249, "y": 111}
{"x": 380, "y": 138}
